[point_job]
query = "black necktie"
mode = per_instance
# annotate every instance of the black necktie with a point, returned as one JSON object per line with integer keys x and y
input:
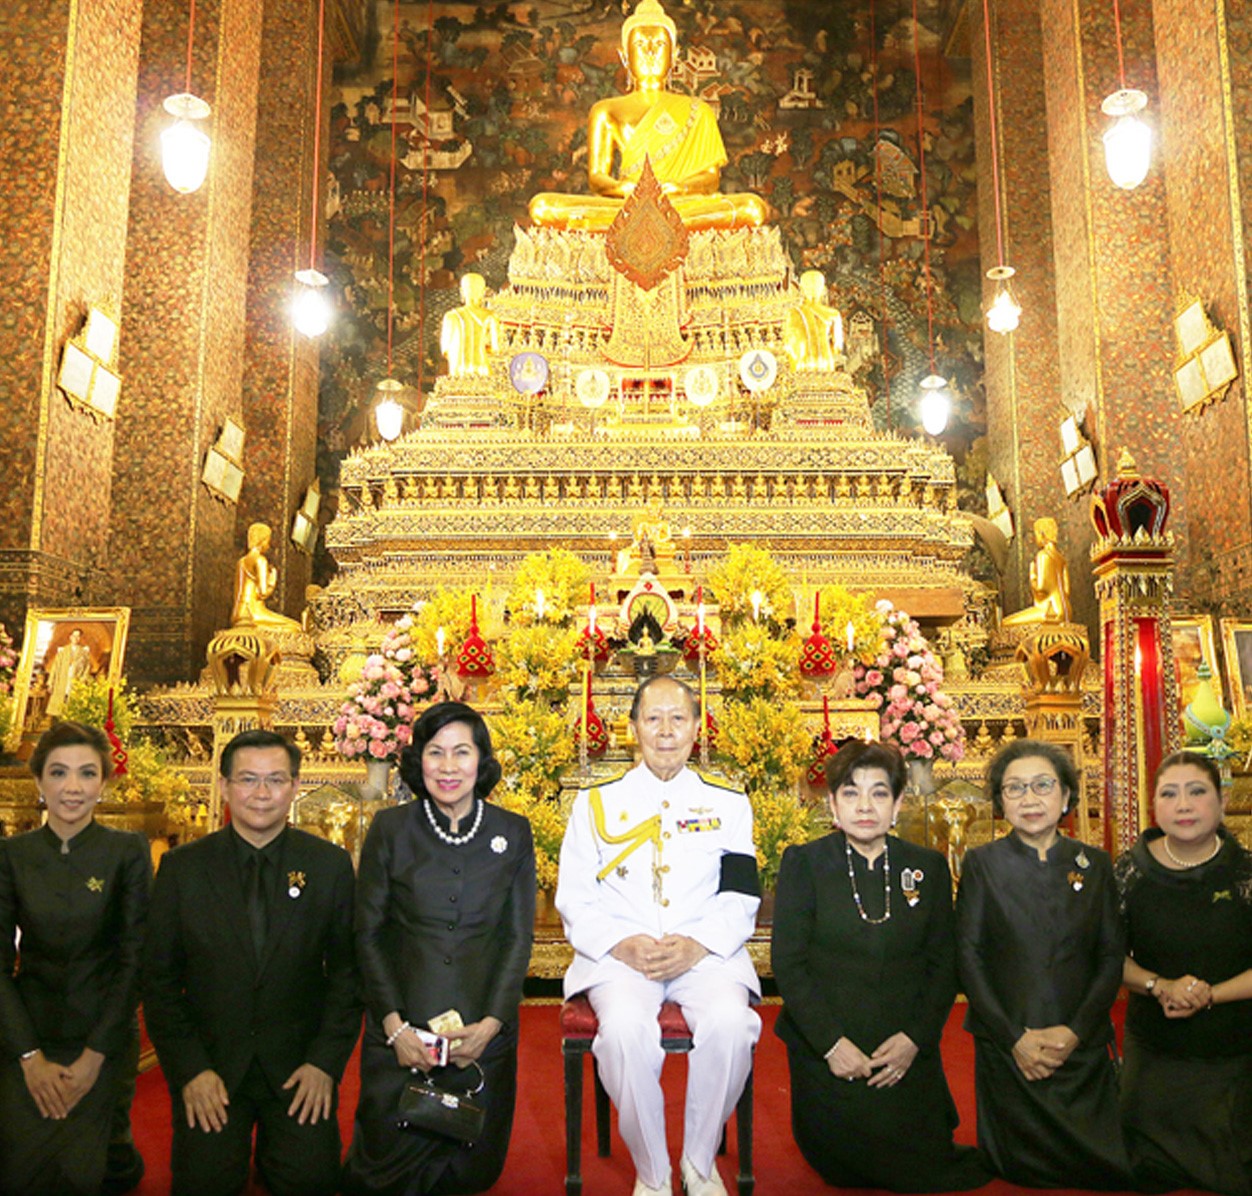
{"x": 258, "y": 914}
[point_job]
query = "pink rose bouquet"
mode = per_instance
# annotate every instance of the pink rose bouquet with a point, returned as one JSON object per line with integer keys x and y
{"x": 904, "y": 682}
{"x": 377, "y": 719}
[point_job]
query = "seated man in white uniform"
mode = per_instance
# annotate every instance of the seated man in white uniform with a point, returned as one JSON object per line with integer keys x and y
{"x": 658, "y": 892}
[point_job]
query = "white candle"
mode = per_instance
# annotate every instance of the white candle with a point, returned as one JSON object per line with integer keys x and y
{"x": 757, "y": 599}
{"x": 851, "y": 637}
{"x": 439, "y": 640}
{"x": 539, "y": 605}
{"x": 700, "y": 618}
{"x": 591, "y": 620}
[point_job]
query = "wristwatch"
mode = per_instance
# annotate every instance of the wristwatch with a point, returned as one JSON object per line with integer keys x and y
{"x": 1149, "y": 986}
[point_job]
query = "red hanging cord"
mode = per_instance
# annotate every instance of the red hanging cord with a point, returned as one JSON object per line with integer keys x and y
{"x": 882, "y": 259}
{"x": 191, "y": 38}
{"x": 1117, "y": 26}
{"x": 421, "y": 240}
{"x": 317, "y": 130}
{"x": 991, "y": 122}
{"x": 391, "y": 225}
{"x": 921, "y": 159}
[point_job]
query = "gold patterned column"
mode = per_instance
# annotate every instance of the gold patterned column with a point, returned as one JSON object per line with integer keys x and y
{"x": 68, "y": 115}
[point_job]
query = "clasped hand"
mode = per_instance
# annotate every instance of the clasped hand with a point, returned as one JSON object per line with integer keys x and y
{"x": 1038, "y": 1053}
{"x": 883, "y": 1069}
{"x": 55, "y": 1087}
{"x": 1183, "y": 997}
{"x": 660, "y": 959}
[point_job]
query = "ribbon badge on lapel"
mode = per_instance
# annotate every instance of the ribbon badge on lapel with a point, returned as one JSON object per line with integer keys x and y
{"x": 1077, "y": 879}
{"x": 911, "y": 885}
{"x": 295, "y": 884}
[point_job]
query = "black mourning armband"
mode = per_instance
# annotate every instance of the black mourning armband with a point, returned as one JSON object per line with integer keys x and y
{"x": 739, "y": 875}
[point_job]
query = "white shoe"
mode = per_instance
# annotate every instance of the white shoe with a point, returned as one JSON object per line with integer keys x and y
{"x": 695, "y": 1184}
{"x": 642, "y": 1189}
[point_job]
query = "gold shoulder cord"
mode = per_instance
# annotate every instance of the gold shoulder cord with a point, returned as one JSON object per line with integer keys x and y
{"x": 648, "y": 831}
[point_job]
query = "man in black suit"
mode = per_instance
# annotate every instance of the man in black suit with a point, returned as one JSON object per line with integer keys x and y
{"x": 250, "y": 986}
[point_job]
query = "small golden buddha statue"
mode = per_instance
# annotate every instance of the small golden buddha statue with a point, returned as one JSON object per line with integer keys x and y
{"x": 1049, "y": 581}
{"x": 255, "y": 581}
{"x": 813, "y": 332}
{"x": 469, "y": 334}
{"x": 677, "y": 133}
{"x": 511, "y": 490}
{"x": 651, "y": 548}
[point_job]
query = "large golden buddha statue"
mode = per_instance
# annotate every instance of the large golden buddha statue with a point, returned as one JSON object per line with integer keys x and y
{"x": 677, "y": 133}
{"x": 1049, "y": 581}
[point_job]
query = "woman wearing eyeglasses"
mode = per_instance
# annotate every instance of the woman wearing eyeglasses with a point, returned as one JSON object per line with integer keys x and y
{"x": 1186, "y": 891}
{"x": 1040, "y": 947}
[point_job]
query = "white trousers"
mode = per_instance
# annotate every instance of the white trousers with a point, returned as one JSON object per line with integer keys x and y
{"x": 724, "y": 1029}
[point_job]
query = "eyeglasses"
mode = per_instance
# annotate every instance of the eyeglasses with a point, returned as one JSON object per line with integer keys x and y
{"x": 249, "y": 782}
{"x": 1039, "y": 786}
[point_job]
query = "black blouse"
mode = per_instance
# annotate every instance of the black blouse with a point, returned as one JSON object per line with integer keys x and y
{"x": 841, "y": 976}
{"x": 81, "y": 913}
{"x": 444, "y": 927}
{"x": 1039, "y": 942}
{"x": 1196, "y": 921}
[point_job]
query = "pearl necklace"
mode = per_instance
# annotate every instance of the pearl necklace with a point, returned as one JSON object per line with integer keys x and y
{"x": 454, "y": 840}
{"x": 886, "y": 885}
{"x": 1188, "y": 863}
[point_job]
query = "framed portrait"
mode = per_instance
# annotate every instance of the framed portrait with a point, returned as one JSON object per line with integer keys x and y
{"x": 1194, "y": 642}
{"x": 61, "y": 648}
{"x": 303, "y": 532}
{"x": 230, "y": 442}
{"x": 1237, "y": 648}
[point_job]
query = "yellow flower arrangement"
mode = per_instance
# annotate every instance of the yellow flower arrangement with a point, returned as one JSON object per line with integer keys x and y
{"x": 779, "y": 820}
{"x": 88, "y": 703}
{"x": 149, "y": 778}
{"x": 533, "y": 744}
{"x": 767, "y": 742}
{"x": 448, "y": 607}
{"x": 537, "y": 660}
{"x": 547, "y": 825}
{"x": 840, "y": 606}
{"x": 744, "y": 570}
{"x": 561, "y": 576}
{"x": 752, "y": 663}
{"x": 534, "y": 747}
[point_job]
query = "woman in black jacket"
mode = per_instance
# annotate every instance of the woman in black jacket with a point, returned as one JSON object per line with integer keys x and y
{"x": 445, "y": 912}
{"x": 77, "y": 893}
{"x": 865, "y": 960}
{"x": 1041, "y": 949}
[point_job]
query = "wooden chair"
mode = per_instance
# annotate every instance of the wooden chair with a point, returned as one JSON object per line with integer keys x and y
{"x": 578, "y": 1030}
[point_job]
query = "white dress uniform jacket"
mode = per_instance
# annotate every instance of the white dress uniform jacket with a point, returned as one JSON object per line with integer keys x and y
{"x": 668, "y": 884}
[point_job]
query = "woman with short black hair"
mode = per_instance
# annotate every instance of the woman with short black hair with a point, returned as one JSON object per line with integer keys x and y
{"x": 865, "y": 960}
{"x": 445, "y": 912}
{"x": 77, "y": 893}
{"x": 1040, "y": 947}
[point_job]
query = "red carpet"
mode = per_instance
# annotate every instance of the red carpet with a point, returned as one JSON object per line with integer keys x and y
{"x": 537, "y": 1152}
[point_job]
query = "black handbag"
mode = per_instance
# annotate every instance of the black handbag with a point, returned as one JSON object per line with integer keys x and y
{"x": 427, "y": 1107}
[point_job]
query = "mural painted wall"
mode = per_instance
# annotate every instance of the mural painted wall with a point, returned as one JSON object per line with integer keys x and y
{"x": 817, "y": 105}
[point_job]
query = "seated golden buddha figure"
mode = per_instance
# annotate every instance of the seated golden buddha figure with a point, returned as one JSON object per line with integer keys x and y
{"x": 651, "y": 548}
{"x": 255, "y": 580}
{"x": 678, "y": 133}
{"x": 1049, "y": 581}
{"x": 469, "y": 333}
{"x": 813, "y": 332}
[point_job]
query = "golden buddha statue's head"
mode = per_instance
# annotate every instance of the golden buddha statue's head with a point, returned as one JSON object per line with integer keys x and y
{"x": 649, "y": 14}
{"x": 813, "y": 286}
{"x": 1046, "y": 531}
{"x": 473, "y": 289}
{"x": 259, "y": 535}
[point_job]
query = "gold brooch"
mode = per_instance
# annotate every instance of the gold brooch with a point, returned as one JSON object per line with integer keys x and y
{"x": 95, "y": 884}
